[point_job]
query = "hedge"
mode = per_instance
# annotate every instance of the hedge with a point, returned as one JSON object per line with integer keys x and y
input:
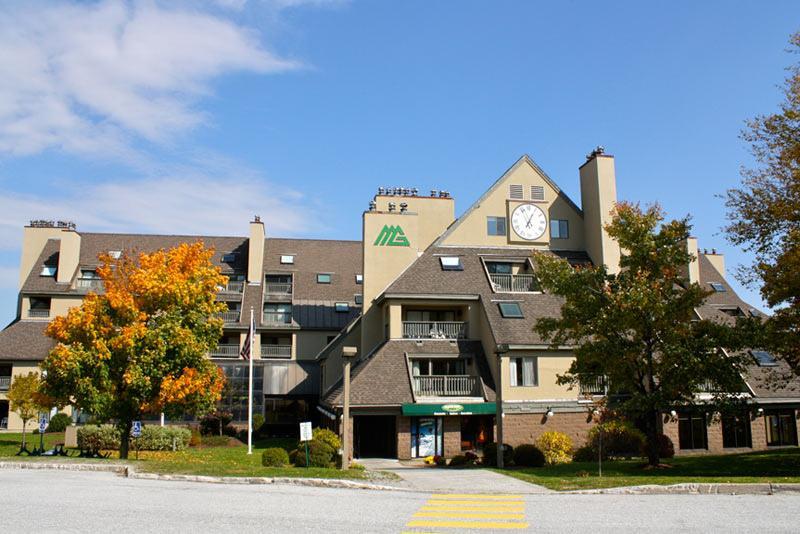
{"x": 274, "y": 457}
{"x": 153, "y": 438}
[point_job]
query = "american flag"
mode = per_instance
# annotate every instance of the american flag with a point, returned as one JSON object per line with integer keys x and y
{"x": 248, "y": 341}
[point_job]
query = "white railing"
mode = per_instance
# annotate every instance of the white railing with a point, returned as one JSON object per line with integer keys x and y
{"x": 434, "y": 329}
{"x": 38, "y": 314}
{"x": 446, "y": 386}
{"x": 279, "y": 289}
{"x": 593, "y": 385}
{"x": 229, "y": 316}
{"x": 89, "y": 283}
{"x": 276, "y": 351}
{"x": 5, "y": 383}
{"x": 515, "y": 283}
{"x": 277, "y": 318}
{"x": 236, "y": 286}
{"x": 226, "y": 350}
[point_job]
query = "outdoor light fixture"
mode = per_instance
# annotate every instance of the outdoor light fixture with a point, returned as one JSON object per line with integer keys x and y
{"x": 549, "y": 413}
{"x": 392, "y": 206}
{"x": 673, "y": 413}
{"x": 372, "y": 205}
{"x": 403, "y": 207}
{"x": 760, "y": 411}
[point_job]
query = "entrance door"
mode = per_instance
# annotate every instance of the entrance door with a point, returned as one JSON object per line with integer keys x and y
{"x": 3, "y": 414}
{"x": 374, "y": 436}
{"x": 426, "y": 437}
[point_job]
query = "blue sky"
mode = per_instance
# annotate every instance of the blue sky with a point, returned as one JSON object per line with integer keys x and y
{"x": 187, "y": 117}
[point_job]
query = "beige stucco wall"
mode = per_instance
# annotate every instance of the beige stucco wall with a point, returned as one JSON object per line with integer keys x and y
{"x": 33, "y": 241}
{"x": 331, "y": 370}
{"x": 19, "y": 368}
{"x": 255, "y": 252}
{"x": 598, "y": 198}
{"x": 310, "y": 342}
{"x": 435, "y": 214}
{"x": 471, "y": 229}
{"x": 550, "y": 364}
{"x": 69, "y": 253}
{"x": 59, "y": 306}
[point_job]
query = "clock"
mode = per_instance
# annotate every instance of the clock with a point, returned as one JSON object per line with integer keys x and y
{"x": 529, "y": 221}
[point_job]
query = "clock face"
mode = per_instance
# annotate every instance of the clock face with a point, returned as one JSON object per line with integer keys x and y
{"x": 529, "y": 221}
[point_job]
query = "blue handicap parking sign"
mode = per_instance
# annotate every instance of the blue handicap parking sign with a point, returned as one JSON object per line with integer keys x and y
{"x": 137, "y": 429}
{"x": 42, "y": 424}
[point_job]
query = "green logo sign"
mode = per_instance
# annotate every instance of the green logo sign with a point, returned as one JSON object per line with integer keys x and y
{"x": 450, "y": 408}
{"x": 391, "y": 236}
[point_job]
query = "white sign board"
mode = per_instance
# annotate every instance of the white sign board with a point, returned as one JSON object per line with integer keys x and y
{"x": 136, "y": 430}
{"x": 42, "y": 424}
{"x": 305, "y": 431}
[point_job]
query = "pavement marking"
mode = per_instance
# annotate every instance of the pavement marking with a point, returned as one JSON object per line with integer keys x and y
{"x": 470, "y": 511}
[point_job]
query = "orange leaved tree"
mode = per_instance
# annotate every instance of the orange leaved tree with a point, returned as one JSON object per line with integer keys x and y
{"x": 140, "y": 347}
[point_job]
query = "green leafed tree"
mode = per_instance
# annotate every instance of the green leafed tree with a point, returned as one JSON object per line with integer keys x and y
{"x": 140, "y": 347}
{"x": 25, "y": 399}
{"x": 764, "y": 214}
{"x": 637, "y": 329}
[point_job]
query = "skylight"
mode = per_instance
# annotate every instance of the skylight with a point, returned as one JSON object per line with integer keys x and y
{"x": 342, "y": 307}
{"x": 451, "y": 263}
{"x": 323, "y": 278}
{"x": 287, "y": 259}
{"x": 229, "y": 257}
{"x": 115, "y": 254}
{"x": 48, "y": 270}
{"x": 510, "y": 310}
{"x": 359, "y": 279}
{"x": 764, "y": 358}
{"x": 718, "y": 287}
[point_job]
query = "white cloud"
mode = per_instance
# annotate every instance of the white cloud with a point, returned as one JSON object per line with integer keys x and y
{"x": 89, "y": 78}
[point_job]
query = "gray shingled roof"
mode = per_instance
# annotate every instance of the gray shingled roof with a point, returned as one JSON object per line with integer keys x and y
{"x": 25, "y": 340}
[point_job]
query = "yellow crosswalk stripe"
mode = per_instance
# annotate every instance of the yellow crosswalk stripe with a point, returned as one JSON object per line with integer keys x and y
{"x": 471, "y": 502}
{"x": 445, "y": 508}
{"x": 471, "y": 515}
{"x": 476, "y": 496}
{"x": 496, "y": 525}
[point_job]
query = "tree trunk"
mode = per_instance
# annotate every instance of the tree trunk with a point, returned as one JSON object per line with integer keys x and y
{"x": 651, "y": 428}
{"x": 24, "y": 424}
{"x": 125, "y": 439}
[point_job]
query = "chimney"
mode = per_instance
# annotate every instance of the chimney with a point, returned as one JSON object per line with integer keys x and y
{"x": 255, "y": 253}
{"x": 694, "y": 264}
{"x": 717, "y": 260}
{"x": 598, "y": 197}
{"x": 69, "y": 253}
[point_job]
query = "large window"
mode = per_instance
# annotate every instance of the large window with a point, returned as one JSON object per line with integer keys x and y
{"x": 692, "y": 431}
{"x": 496, "y": 225}
{"x": 277, "y": 313}
{"x": 524, "y": 372}
{"x": 736, "y": 431}
{"x": 234, "y": 396}
{"x": 559, "y": 229}
{"x": 781, "y": 428}
{"x": 438, "y": 367}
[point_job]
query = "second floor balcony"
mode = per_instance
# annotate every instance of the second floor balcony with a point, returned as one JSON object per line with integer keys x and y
{"x": 38, "y": 313}
{"x": 514, "y": 283}
{"x": 434, "y": 329}
{"x": 233, "y": 287}
{"x": 447, "y": 386}
{"x": 276, "y": 318}
{"x": 226, "y": 350}
{"x": 230, "y": 316}
{"x": 5, "y": 383}
{"x": 89, "y": 284}
{"x": 593, "y": 386}
{"x": 276, "y": 351}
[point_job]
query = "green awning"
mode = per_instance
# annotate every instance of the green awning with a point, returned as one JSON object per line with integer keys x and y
{"x": 454, "y": 408}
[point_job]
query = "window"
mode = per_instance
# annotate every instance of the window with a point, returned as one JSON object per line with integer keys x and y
{"x": 359, "y": 279}
{"x": 451, "y": 263}
{"x": 277, "y": 313}
{"x": 48, "y": 270}
{"x": 323, "y": 278}
{"x": 764, "y": 358}
{"x": 497, "y": 267}
{"x": 287, "y": 259}
{"x": 439, "y": 367}
{"x": 342, "y": 307}
{"x": 510, "y": 310}
{"x": 692, "y": 431}
{"x": 718, "y": 287}
{"x": 537, "y": 192}
{"x": 40, "y": 303}
{"x": 116, "y": 254}
{"x": 559, "y": 229}
{"x": 524, "y": 372}
{"x": 736, "y": 431}
{"x": 89, "y": 274}
{"x": 358, "y": 299}
{"x": 781, "y": 428}
{"x": 515, "y": 192}
{"x": 496, "y": 226}
{"x": 734, "y": 311}
{"x": 230, "y": 257}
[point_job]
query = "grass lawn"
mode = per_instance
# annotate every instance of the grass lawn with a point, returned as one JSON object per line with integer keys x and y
{"x": 211, "y": 461}
{"x": 775, "y": 466}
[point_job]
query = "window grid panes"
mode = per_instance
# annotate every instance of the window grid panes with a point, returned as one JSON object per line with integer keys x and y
{"x": 523, "y": 372}
{"x": 559, "y": 229}
{"x": 496, "y": 226}
{"x": 781, "y": 428}
{"x": 692, "y": 431}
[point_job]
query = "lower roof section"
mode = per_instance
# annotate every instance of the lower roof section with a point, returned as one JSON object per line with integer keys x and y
{"x": 25, "y": 341}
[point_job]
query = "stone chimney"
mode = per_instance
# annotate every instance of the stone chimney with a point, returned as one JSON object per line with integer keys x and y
{"x": 255, "y": 252}
{"x": 598, "y": 198}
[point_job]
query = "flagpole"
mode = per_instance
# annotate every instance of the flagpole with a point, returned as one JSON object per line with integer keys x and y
{"x": 250, "y": 390}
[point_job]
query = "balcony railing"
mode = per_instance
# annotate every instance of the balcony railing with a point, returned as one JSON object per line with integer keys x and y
{"x": 278, "y": 289}
{"x": 229, "y": 316}
{"x": 38, "y": 314}
{"x": 516, "y": 283}
{"x": 92, "y": 284}
{"x": 434, "y": 329}
{"x": 447, "y": 386}
{"x": 276, "y": 351}
{"x": 5, "y": 383}
{"x": 235, "y": 286}
{"x": 593, "y": 385}
{"x": 226, "y": 350}
{"x": 277, "y": 318}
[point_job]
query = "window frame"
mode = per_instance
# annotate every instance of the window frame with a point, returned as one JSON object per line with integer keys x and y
{"x": 322, "y": 280}
{"x": 358, "y": 299}
{"x": 731, "y": 426}
{"x": 562, "y": 226}
{"x": 516, "y": 370}
{"x": 287, "y": 259}
{"x": 447, "y": 263}
{"x": 49, "y": 271}
{"x": 693, "y": 418}
{"x": 786, "y": 424}
{"x": 359, "y": 279}
{"x": 341, "y": 307}
{"x": 505, "y": 313}
{"x": 493, "y": 223}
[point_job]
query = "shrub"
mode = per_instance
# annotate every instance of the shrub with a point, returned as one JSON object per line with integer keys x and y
{"x": 528, "y": 455}
{"x": 320, "y": 454}
{"x": 585, "y": 453}
{"x": 665, "y": 447}
{"x": 98, "y": 437}
{"x": 195, "y": 440}
{"x": 258, "y": 422}
{"x": 59, "y": 423}
{"x": 328, "y": 437}
{"x": 556, "y": 447}
{"x": 274, "y": 457}
{"x": 620, "y": 439}
{"x": 217, "y": 423}
{"x": 153, "y": 438}
{"x": 490, "y": 454}
{"x": 357, "y": 467}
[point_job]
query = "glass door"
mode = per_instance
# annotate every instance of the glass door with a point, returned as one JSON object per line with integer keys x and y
{"x": 427, "y": 437}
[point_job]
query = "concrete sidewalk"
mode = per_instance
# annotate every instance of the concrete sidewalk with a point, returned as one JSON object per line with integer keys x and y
{"x": 418, "y": 477}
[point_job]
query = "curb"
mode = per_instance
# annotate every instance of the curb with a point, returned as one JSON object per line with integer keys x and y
{"x": 120, "y": 469}
{"x": 697, "y": 489}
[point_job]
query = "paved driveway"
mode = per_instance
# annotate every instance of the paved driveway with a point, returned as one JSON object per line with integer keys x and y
{"x": 429, "y": 479}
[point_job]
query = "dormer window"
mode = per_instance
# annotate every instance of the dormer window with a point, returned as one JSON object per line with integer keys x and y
{"x": 512, "y": 276}
{"x": 287, "y": 259}
{"x": 451, "y": 263}
{"x": 48, "y": 270}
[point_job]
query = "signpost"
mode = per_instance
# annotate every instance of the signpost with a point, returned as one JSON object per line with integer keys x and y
{"x": 305, "y": 436}
{"x": 136, "y": 431}
{"x": 42, "y": 428}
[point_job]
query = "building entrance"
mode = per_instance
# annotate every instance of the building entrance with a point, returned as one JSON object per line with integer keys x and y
{"x": 374, "y": 436}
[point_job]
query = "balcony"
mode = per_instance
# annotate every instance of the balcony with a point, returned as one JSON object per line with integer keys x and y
{"x": 447, "y": 386}
{"x": 226, "y": 350}
{"x": 276, "y": 318}
{"x": 514, "y": 283}
{"x": 38, "y": 314}
{"x": 5, "y": 383}
{"x": 230, "y": 317}
{"x": 278, "y": 289}
{"x": 89, "y": 284}
{"x": 233, "y": 287}
{"x": 276, "y": 351}
{"x": 593, "y": 386}
{"x": 434, "y": 329}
